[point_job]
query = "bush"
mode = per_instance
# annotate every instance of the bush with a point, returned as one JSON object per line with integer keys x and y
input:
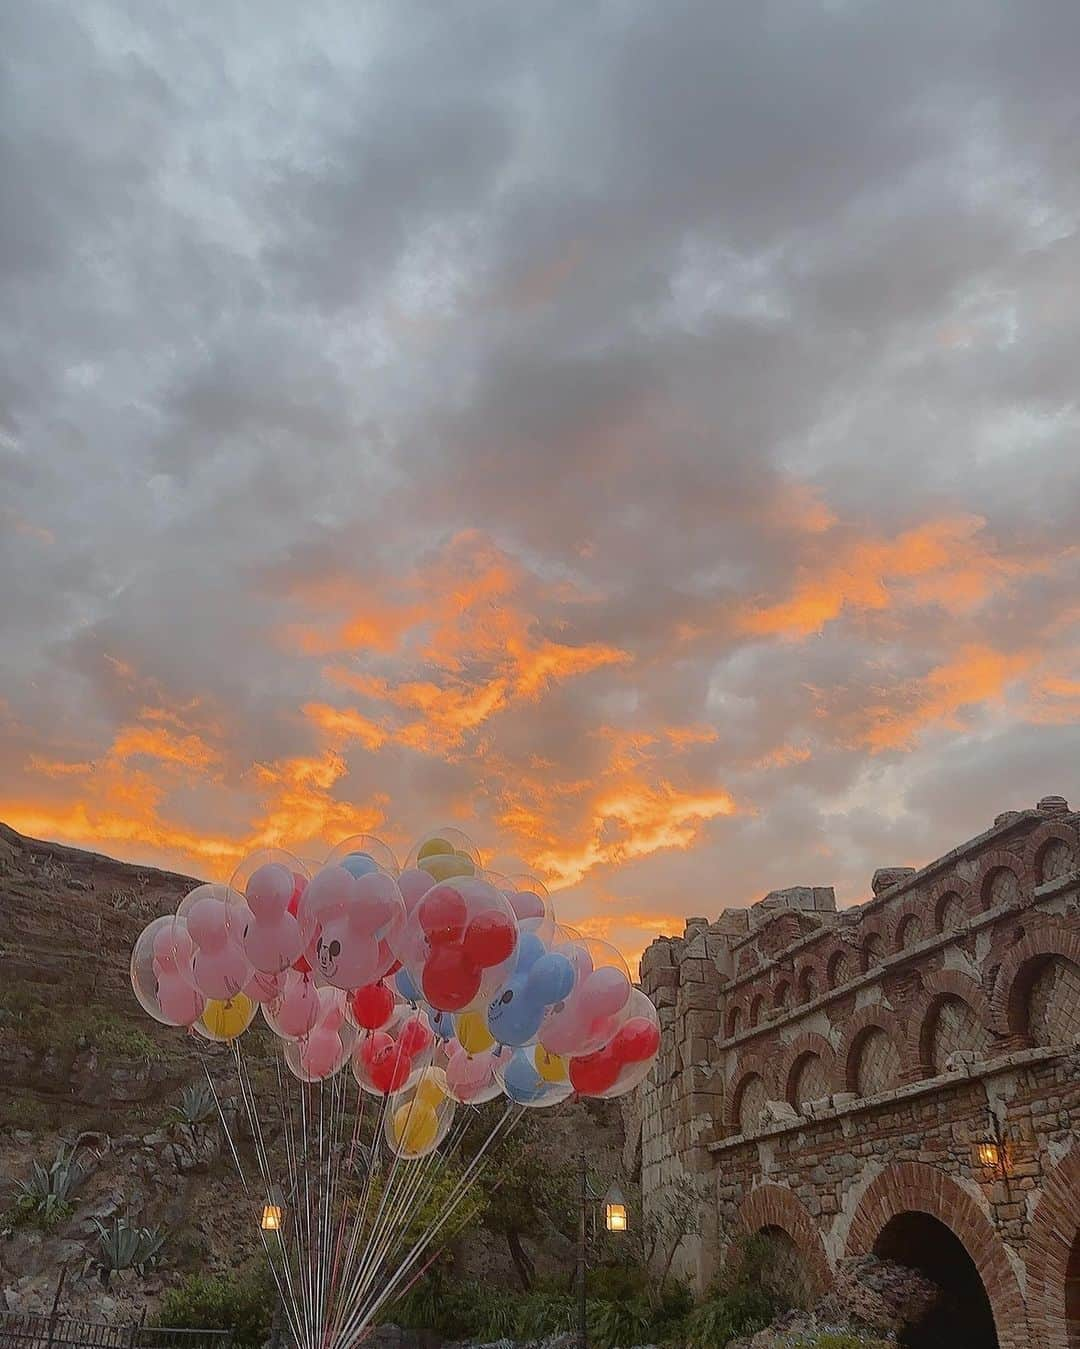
{"x": 725, "y": 1316}
{"x": 243, "y": 1304}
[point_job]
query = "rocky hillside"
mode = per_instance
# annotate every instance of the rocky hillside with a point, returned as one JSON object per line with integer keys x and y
{"x": 81, "y": 1064}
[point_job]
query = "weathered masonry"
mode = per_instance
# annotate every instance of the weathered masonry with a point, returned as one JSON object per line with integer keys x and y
{"x": 902, "y": 1077}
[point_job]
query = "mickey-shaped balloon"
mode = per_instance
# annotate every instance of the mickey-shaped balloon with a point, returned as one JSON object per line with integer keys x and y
{"x": 215, "y": 919}
{"x": 618, "y": 1066}
{"x": 524, "y": 1082}
{"x": 267, "y": 883}
{"x": 541, "y": 978}
{"x": 352, "y": 904}
{"x": 598, "y": 1003}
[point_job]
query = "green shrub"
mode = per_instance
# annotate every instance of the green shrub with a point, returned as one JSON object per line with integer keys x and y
{"x": 125, "y": 1246}
{"x": 243, "y": 1304}
{"x": 726, "y": 1316}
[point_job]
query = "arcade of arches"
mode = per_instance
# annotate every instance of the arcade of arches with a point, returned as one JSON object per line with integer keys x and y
{"x": 901, "y": 1078}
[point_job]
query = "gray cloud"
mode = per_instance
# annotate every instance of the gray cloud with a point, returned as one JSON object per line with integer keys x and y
{"x": 676, "y": 316}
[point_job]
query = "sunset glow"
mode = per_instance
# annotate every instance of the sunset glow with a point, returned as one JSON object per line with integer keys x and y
{"x": 647, "y": 443}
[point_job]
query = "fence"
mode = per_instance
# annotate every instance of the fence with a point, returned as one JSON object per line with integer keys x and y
{"x": 18, "y": 1331}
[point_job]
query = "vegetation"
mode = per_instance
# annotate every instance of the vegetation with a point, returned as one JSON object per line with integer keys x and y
{"x": 39, "y": 1022}
{"x": 124, "y": 1246}
{"x": 46, "y": 1197}
{"x": 197, "y": 1106}
{"x": 243, "y": 1304}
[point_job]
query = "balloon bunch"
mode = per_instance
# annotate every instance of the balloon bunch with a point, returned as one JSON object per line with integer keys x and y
{"x": 439, "y": 984}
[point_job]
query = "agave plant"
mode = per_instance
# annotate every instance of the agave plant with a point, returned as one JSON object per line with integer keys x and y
{"x": 47, "y": 1194}
{"x": 197, "y": 1105}
{"x": 125, "y": 1246}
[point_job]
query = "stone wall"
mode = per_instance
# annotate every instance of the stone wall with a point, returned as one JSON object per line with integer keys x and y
{"x": 822, "y": 1073}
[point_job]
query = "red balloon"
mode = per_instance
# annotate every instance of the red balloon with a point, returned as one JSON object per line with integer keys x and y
{"x": 594, "y": 1073}
{"x": 415, "y": 1038}
{"x": 442, "y": 913}
{"x": 376, "y": 1043}
{"x": 372, "y": 1005}
{"x": 450, "y": 981}
{"x": 389, "y": 1070}
{"x": 638, "y": 1039}
{"x": 490, "y": 938}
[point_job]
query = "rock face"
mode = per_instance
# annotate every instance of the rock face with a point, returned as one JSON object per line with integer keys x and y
{"x": 80, "y": 1060}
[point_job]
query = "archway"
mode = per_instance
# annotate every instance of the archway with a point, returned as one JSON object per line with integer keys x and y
{"x": 914, "y": 1187}
{"x": 963, "y": 1315}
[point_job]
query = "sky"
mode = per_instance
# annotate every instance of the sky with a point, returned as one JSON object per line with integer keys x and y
{"x": 643, "y": 436}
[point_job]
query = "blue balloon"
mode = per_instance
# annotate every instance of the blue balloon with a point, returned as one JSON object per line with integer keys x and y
{"x": 514, "y": 1017}
{"x": 405, "y": 986}
{"x": 359, "y": 864}
{"x": 530, "y": 950}
{"x": 551, "y": 979}
{"x": 521, "y": 1082}
{"x": 441, "y": 1023}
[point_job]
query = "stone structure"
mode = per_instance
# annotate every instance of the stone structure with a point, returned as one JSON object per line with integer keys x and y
{"x": 902, "y": 1077}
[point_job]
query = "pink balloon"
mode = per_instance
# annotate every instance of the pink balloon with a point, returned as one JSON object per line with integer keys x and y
{"x": 414, "y": 885}
{"x": 181, "y": 1003}
{"x": 208, "y": 923}
{"x": 345, "y": 957}
{"x": 526, "y": 905}
{"x": 296, "y": 1010}
{"x": 322, "y": 1053}
{"x": 269, "y": 890}
{"x": 264, "y": 987}
{"x": 273, "y": 943}
{"x": 221, "y": 971}
{"x": 603, "y": 992}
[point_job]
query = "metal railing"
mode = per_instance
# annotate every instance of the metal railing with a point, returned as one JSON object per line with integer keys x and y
{"x": 23, "y": 1331}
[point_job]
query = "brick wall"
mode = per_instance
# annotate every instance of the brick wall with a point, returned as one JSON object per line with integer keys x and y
{"x": 822, "y": 1073}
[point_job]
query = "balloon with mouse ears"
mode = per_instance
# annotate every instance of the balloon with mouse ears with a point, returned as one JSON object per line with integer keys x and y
{"x": 458, "y": 944}
{"x": 596, "y": 1006}
{"x": 542, "y": 978}
{"x": 625, "y": 1060}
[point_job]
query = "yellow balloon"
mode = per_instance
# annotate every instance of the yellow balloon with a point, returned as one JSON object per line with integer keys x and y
{"x": 431, "y": 1089}
{"x": 445, "y": 866}
{"x": 472, "y": 1033}
{"x": 434, "y": 847}
{"x": 416, "y": 1126}
{"x": 228, "y": 1018}
{"x": 551, "y": 1067}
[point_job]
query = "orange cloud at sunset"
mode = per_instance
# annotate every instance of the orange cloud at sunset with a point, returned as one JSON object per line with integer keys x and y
{"x": 946, "y": 562}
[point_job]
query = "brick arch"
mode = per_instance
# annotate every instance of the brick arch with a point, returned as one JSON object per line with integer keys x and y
{"x": 990, "y": 862}
{"x": 873, "y": 947}
{"x": 936, "y": 989}
{"x": 915, "y": 906}
{"x": 1019, "y": 966}
{"x": 748, "y": 1066}
{"x": 736, "y": 1020}
{"x": 1037, "y": 842}
{"x": 775, "y": 1206}
{"x": 913, "y": 1187}
{"x": 943, "y": 891}
{"x": 840, "y": 954}
{"x": 807, "y": 1043}
{"x": 756, "y": 1010}
{"x": 809, "y": 982}
{"x": 865, "y": 1019}
{"x": 1054, "y": 1226}
{"x": 781, "y": 994}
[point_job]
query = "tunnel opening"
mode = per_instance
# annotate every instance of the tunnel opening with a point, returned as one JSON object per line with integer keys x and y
{"x": 962, "y": 1315}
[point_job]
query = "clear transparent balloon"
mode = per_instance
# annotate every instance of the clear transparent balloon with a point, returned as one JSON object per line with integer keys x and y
{"x": 598, "y": 1003}
{"x": 623, "y": 1061}
{"x": 366, "y": 845}
{"x": 162, "y": 988}
{"x": 420, "y": 1118}
{"x": 391, "y": 1059}
{"x": 223, "y": 1019}
{"x": 458, "y": 944}
{"x": 323, "y": 1052}
{"x": 526, "y": 1082}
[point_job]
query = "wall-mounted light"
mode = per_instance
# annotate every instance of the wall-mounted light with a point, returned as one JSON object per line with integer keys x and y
{"x": 988, "y": 1154}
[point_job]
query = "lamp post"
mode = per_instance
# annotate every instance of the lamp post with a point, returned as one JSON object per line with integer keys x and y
{"x": 616, "y": 1219}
